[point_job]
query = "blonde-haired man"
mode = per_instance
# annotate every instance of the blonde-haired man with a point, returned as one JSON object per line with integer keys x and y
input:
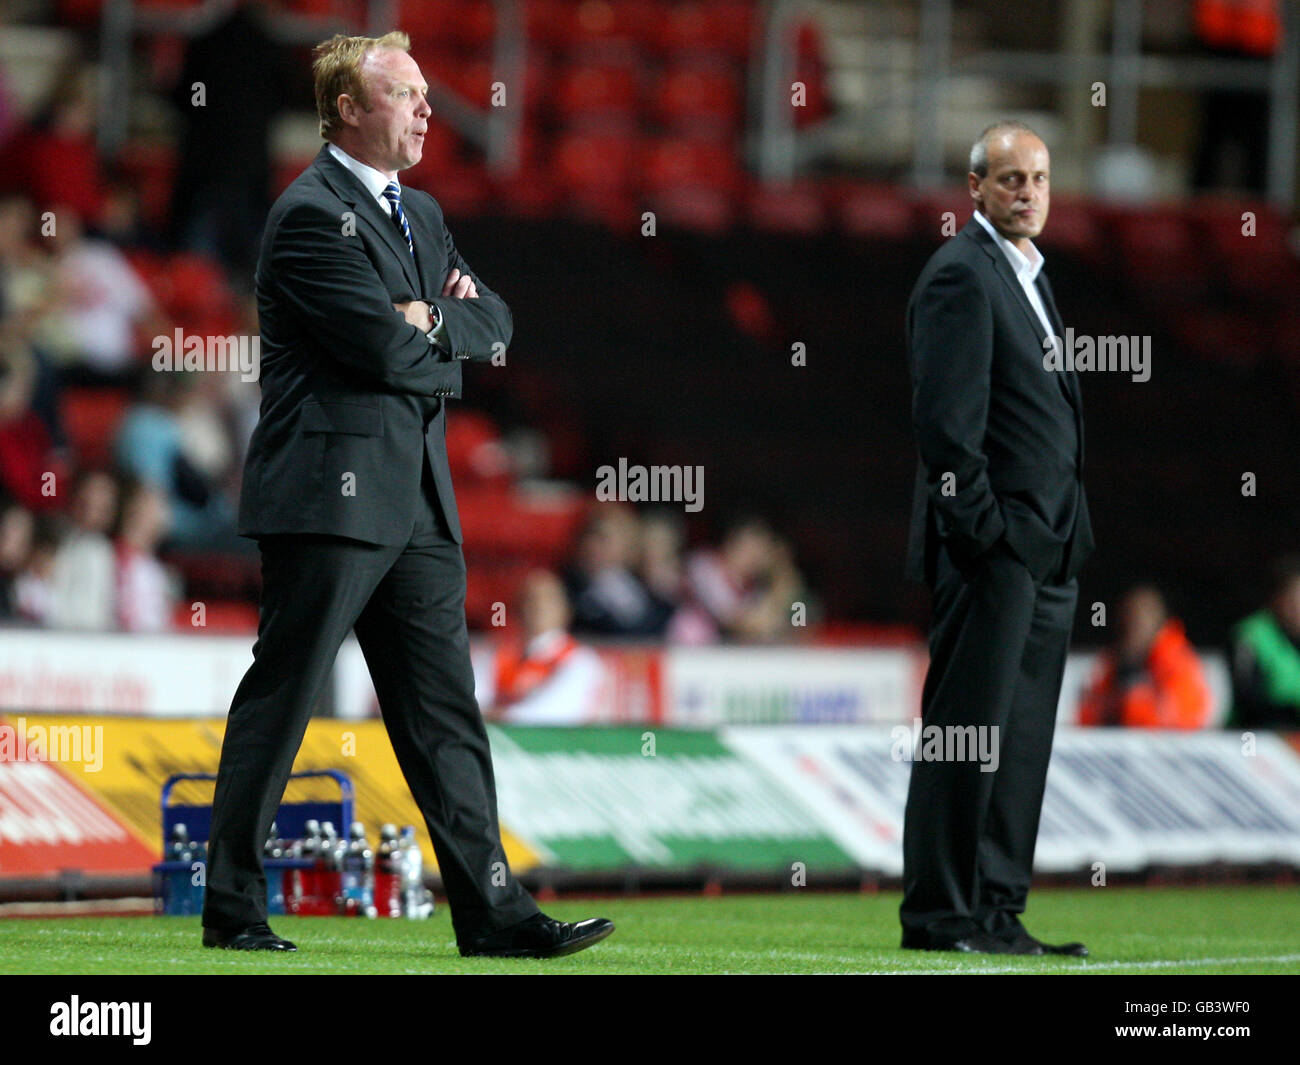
{"x": 367, "y": 311}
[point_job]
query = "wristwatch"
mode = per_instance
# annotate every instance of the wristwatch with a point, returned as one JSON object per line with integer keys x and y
{"x": 435, "y": 316}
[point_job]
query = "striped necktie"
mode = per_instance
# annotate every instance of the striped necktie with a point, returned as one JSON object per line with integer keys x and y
{"x": 393, "y": 195}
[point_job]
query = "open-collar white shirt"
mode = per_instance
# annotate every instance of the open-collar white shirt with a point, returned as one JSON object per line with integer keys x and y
{"x": 1025, "y": 268}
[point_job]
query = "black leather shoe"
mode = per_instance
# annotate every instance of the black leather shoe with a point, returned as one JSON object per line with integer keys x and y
{"x": 974, "y": 942}
{"x": 1021, "y": 942}
{"x": 254, "y": 937}
{"x": 1027, "y": 944}
{"x": 539, "y": 937}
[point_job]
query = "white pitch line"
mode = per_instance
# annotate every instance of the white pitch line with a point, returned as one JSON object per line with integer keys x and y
{"x": 1084, "y": 966}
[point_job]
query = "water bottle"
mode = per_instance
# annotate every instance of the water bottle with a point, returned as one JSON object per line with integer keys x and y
{"x": 272, "y": 855}
{"x": 179, "y": 897}
{"x": 358, "y": 874}
{"x": 416, "y": 900}
{"x": 388, "y": 874}
{"x": 302, "y": 897}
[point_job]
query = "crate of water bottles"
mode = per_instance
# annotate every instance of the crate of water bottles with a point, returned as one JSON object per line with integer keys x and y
{"x": 311, "y": 868}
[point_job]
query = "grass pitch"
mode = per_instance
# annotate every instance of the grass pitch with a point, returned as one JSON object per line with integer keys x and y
{"x": 1233, "y": 930}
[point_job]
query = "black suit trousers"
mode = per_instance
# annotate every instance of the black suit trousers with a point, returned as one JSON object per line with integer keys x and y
{"x": 998, "y": 643}
{"x": 407, "y": 604}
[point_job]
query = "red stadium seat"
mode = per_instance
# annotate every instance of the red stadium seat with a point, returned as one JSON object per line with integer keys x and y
{"x": 195, "y": 287}
{"x": 1158, "y": 250}
{"x": 90, "y": 418}
{"x": 150, "y": 170}
{"x": 874, "y": 212}
{"x": 689, "y": 162}
{"x": 489, "y": 582}
{"x": 597, "y": 90}
{"x": 596, "y": 161}
{"x": 723, "y": 27}
{"x": 503, "y": 523}
{"x": 697, "y": 96}
{"x": 589, "y": 26}
{"x": 939, "y": 213}
{"x": 474, "y": 450}
{"x": 798, "y": 208}
{"x": 1072, "y": 226}
{"x": 702, "y": 210}
{"x": 531, "y": 193}
{"x": 466, "y": 24}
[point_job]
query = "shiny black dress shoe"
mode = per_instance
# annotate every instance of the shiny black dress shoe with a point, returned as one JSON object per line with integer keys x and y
{"x": 539, "y": 937}
{"x": 973, "y": 942}
{"x": 254, "y": 937}
{"x": 1022, "y": 942}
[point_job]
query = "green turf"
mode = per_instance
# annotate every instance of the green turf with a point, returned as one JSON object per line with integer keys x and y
{"x": 1129, "y": 930}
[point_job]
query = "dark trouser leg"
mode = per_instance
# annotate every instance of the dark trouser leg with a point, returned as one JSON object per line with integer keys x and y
{"x": 978, "y": 635}
{"x": 1011, "y": 830}
{"x": 312, "y": 589}
{"x": 414, "y": 638}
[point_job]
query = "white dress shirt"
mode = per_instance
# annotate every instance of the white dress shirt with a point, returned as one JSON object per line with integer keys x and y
{"x": 1026, "y": 270}
{"x": 375, "y": 182}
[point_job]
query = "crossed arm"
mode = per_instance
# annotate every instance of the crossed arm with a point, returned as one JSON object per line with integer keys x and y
{"x": 331, "y": 285}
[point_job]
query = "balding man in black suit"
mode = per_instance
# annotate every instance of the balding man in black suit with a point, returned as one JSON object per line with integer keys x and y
{"x": 1000, "y": 529}
{"x": 348, "y": 492}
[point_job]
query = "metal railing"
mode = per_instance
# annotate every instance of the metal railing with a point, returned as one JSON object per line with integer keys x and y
{"x": 781, "y": 151}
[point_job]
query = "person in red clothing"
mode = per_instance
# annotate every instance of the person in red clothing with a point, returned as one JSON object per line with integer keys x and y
{"x": 1152, "y": 677}
{"x": 546, "y": 677}
{"x": 55, "y": 160}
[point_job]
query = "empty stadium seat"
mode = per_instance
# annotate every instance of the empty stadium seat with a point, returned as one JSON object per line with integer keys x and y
{"x": 90, "y": 419}
{"x": 698, "y": 97}
{"x": 597, "y": 90}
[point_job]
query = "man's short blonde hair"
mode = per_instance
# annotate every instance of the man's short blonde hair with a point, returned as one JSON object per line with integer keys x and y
{"x": 336, "y": 69}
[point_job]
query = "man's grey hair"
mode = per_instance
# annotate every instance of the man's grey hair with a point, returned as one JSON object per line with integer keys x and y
{"x": 979, "y": 152}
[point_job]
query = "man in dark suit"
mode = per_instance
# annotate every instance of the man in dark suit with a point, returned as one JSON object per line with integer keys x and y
{"x": 348, "y": 492}
{"x": 999, "y": 531}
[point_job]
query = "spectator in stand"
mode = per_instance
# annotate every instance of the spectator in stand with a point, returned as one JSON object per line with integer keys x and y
{"x": 28, "y": 291}
{"x": 547, "y": 677}
{"x": 146, "y": 592}
{"x": 223, "y": 178}
{"x": 152, "y": 446}
{"x": 56, "y": 160}
{"x": 662, "y": 568}
{"x": 33, "y": 589}
{"x": 83, "y": 583}
{"x": 17, "y": 531}
{"x": 28, "y": 294}
{"x": 1265, "y": 656}
{"x": 744, "y": 591}
{"x": 608, "y": 597}
{"x": 27, "y": 452}
{"x": 1152, "y": 677}
{"x": 100, "y": 336}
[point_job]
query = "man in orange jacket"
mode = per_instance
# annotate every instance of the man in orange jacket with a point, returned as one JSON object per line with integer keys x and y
{"x": 1152, "y": 677}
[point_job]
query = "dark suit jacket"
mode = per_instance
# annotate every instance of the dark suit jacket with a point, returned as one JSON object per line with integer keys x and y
{"x": 987, "y": 411}
{"x": 348, "y": 386}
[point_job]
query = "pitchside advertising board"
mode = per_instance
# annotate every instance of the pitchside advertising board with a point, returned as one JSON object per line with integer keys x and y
{"x": 190, "y": 675}
{"x": 778, "y": 800}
